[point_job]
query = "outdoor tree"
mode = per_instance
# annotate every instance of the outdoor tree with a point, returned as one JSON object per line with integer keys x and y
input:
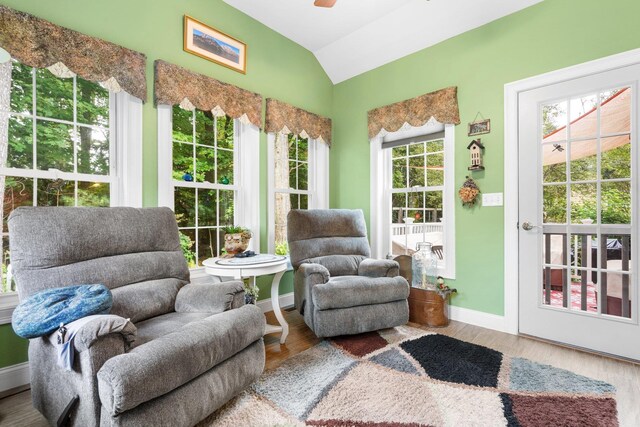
{"x": 203, "y": 150}
{"x": 54, "y": 135}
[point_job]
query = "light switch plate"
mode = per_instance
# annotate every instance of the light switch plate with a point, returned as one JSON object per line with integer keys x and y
{"x": 492, "y": 199}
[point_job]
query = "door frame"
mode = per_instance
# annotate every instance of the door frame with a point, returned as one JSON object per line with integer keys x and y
{"x": 511, "y": 170}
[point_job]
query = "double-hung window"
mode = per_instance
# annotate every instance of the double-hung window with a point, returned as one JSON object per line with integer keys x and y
{"x": 412, "y": 193}
{"x": 61, "y": 145}
{"x": 204, "y": 176}
{"x": 298, "y": 179}
{"x": 207, "y": 174}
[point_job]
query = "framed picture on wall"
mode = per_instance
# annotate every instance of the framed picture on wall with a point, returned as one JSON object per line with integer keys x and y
{"x": 479, "y": 127}
{"x": 216, "y": 46}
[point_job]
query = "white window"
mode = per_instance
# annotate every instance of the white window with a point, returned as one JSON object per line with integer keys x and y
{"x": 298, "y": 179}
{"x": 65, "y": 142}
{"x": 412, "y": 193}
{"x": 207, "y": 174}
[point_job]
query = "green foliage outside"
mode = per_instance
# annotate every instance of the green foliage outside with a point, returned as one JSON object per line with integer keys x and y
{"x": 615, "y": 196}
{"x": 203, "y": 149}
{"x": 418, "y": 165}
{"x": 282, "y": 248}
{"x": 185, "y": 245}
{"x": 55, "y": 143}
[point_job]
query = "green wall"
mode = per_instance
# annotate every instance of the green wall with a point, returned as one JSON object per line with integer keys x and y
{"x": 276, "y": 67}
{"x": 545, "y": 37}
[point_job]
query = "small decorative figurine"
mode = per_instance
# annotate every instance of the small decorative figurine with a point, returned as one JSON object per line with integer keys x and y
{"x": 187, "y": 177}
{"x": 224, "y": 180}
{"x": 475, "y": 149}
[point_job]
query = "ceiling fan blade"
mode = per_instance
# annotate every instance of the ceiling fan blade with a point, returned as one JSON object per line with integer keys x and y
{"x": 324, "y": 3}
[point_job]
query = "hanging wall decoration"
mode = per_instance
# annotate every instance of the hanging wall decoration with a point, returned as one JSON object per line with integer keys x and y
{"x": 476, "y": 150}
{"x": 469, "y": 192}
{"x": 213, "y": 45}
{"x": 479, "y": 125}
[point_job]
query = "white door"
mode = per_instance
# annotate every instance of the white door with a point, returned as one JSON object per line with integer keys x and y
{"x": 578, "y": 213}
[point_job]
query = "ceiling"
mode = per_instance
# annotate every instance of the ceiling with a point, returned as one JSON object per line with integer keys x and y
{"x": 356, "y": 36}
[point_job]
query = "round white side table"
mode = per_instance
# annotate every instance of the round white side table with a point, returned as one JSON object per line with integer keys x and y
{"x": 243, "y": 268}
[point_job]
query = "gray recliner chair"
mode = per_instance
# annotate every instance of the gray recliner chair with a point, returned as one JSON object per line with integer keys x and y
{"x": 185, "y": 351}
{"x": 338, "y": 288}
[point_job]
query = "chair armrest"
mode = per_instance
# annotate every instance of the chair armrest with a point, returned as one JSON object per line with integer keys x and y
{"x": 210, "y": 298}
{"x": 378, "y": 268}
{"x": 314, "y": 273}
{"x": 87, "y": 334}
{"x": 166, "y": 363}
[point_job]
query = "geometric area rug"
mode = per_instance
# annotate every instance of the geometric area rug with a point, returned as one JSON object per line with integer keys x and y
{"x": 408, "y": 377}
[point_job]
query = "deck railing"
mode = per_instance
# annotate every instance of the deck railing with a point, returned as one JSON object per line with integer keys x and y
{"x": 420, "y": 228}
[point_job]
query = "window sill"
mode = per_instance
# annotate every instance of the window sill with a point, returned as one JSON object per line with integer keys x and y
{"x": 8, "y": 302}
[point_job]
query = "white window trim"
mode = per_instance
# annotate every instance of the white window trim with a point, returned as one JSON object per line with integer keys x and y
{"x": 126, "y": 140}
{"x": 380, "y": 171}
{"x": 318, "y": 184}
{"x": 246, "y": 185}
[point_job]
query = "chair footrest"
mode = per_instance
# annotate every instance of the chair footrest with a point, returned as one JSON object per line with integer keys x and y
{"x": 353, "y": 291}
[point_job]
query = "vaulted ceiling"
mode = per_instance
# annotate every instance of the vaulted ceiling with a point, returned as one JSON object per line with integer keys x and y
{"x": 356, "y": 36}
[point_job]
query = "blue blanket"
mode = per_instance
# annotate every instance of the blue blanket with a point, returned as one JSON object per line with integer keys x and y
{"x": 44, "y": 312}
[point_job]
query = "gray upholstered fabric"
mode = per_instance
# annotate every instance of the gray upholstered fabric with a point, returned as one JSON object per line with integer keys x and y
{"x": 321, "y": 232}
{"x": 165, "y": 324}
{"x": 364, "y": 318}
{"x": 63, "y": 246}
{"x": 52, "y": 387}
{"x": 136, "y": 253}
{"x": 140, "y": 301}
{"x": 210, "y": 298}
{"x": 352, "y": 291}
{"x": 65, "y": 235}
{"x": 196, "y": 348}
{"x": 102, "y": 326}
{"x": 378, "y": 268}
{"x": 338, "y": 265}
{"x": 187, "y": 405}
{"x": 335, "y": 277}
{"x": 305, "y": 278}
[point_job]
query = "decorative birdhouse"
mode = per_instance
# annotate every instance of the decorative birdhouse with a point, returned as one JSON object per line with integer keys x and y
{"x": 475, "y": 150}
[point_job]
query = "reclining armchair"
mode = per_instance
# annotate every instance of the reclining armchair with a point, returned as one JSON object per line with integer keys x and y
{"x": 169, "y": 353}
{"x": 338, "y": 288}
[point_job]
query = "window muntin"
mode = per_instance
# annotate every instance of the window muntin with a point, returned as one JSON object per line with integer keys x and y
{"x": 417, "y": 181}
{"x": 292, "y": 189}
{"x": 59, "y": 150}
{"x": 204, "y": 177}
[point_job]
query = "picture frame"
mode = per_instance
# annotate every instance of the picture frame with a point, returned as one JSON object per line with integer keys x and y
{"x": 479, "y": 127}
{"x": 214, "y": 45}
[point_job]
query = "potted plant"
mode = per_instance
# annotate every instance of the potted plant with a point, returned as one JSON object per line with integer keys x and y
{"x": 236, "y": 239}
{"x": 250, "y": 293}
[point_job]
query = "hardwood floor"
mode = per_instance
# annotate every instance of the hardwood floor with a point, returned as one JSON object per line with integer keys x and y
{"x": 16, "y": 410}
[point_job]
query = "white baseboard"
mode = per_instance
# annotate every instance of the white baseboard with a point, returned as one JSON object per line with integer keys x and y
{"x": 478, "y": 318}
{"x": 286, "y": 300}
{"x": 14, "y": 376}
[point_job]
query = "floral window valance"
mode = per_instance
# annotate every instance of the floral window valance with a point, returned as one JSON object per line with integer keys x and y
{"x": 441, "y": 105}
{"x": 285, "y": 118}
{"x": 175, "y": 85}
{"x": 38, "y": 43}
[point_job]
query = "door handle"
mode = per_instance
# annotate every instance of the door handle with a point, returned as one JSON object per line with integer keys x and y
{"x": 527, "y": 226}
